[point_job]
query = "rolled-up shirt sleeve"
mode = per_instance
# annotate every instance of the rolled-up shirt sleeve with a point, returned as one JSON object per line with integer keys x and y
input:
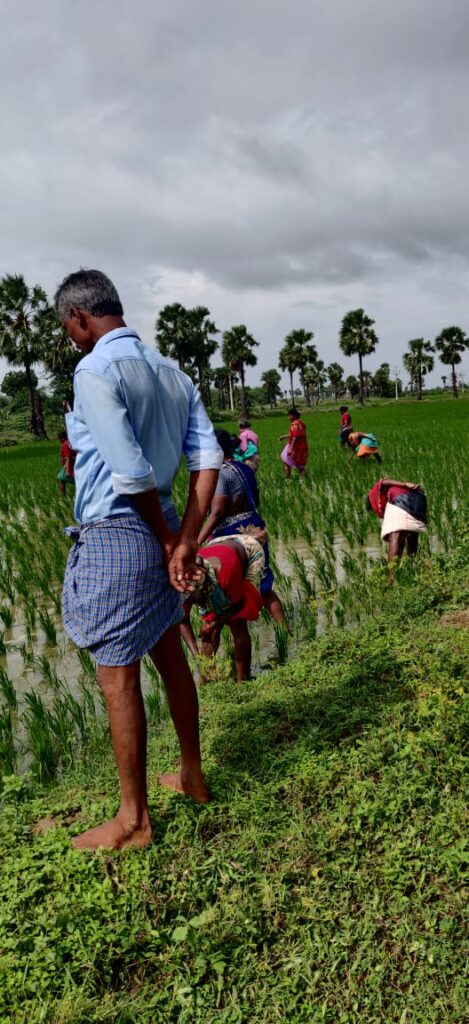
{"x": 105, "y": 415}
{"x": 200, "y": 444}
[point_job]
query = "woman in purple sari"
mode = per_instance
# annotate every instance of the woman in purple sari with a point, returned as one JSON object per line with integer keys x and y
{"x": 234, "y": 509}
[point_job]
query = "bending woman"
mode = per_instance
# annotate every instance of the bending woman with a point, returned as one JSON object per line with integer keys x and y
{"x": 363, "y": 446}
{"x": 234, "y": 510}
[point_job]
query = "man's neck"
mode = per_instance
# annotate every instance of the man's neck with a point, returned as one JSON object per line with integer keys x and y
{"x": 104, "y": 324}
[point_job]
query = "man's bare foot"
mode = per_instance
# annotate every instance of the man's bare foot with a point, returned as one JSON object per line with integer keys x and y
{"x": 179, "y": 782}
{"x": 115, "y": 835}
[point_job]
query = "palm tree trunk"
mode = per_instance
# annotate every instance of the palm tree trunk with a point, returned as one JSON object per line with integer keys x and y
{"x": 244, "y": 411}
{"x": 33, "y": 425}
{"x": 230, "y": 384}
{"x": 360, "y": 374}
{"x": 419, "y": 384}
{"x": 39, "y": 415}
{"x": 291, "y": 387}
{"x": 455, "y": 382}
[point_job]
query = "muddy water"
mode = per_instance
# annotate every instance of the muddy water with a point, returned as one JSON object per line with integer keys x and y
{"x": 264, "y": 645}
{"x": 63, "y": 658}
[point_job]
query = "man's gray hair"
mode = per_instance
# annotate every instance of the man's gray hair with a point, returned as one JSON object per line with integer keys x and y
{"x": 90, "y": 290}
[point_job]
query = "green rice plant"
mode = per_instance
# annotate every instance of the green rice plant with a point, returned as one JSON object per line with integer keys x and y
{"x": 26, "y": 653}
{"x": 324, "y": 569}
{"x": 7, "y": 585}
{"x": 88, "y": 701}
{"x": 86, "y": 662}
{"x": 155, "y": 699}
{"x": 156, "y": 704}
{"x": 151, "y": 669}
{"x": 6, "y": 615}
{"x": 3, "y": 646}
{"x": 62, "y": 726}
{"x": 7, "y": 691}
{"x": 56, "y": 597}
{"x": 48, "y": 626}
{"x": 49, "y": 675}
{"x": 228, "y": 651}
{"x": 305, "y": 584}
{"x": 8, "y": 755}
{"x": 281, "y": 643}
{"x": 30, "y": 614}
{"x": 40, "y": 737}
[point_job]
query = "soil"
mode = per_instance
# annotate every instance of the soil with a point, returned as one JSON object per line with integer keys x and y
{"x": 459, "y": 619}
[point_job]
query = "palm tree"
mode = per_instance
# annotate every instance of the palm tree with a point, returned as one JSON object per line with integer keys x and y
{"x": 237, "y": 353}
{"x": 315, "y": 377}
{"x": 335, "y": 372}
{"x": 381, "y": 381}
{"x": 418, "y": 362}
{"x": 297, "y": 354}
{"x": 306, "y": 354}
{"x": 26, "y": 326}
{"x": 60, "y": 356}
{"x": 201, "y": 345}
{"x": 221, "y": 382}
{"x": 450, "y": 343}
{"x": 172, "y": 333}
{"x": 271, "y": 381}
{"x": 410, "y": 365}
{"x": 357, "y": 337}
{"x": 352, "y": 385}
{"x": 288, "y": 363}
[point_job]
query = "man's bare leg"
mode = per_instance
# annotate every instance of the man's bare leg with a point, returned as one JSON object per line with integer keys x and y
{"x": 170, "y": 660}
{"x": 131, "y": 825}
{"x": 287, "y": 471}
{"x": 242, "y": 649}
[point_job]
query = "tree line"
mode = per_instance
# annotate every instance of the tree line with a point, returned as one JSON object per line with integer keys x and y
{"x": 31, "y": 335}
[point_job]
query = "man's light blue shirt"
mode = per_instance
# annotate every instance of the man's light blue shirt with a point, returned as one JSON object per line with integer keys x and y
{"x": 134, "y": 416}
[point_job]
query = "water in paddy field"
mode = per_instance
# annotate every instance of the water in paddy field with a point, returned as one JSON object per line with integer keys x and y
{"x": 264, "y": 640}
{"x": 28, "y": 674}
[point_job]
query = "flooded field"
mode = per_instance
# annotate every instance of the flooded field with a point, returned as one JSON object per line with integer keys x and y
{"x": 327, "y": 558}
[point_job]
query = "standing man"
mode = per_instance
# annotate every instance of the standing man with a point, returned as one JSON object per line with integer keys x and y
{"x": 134, "y": 416}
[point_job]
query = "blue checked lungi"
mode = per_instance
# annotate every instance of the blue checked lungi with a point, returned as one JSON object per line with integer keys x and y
{"x": 117, "y": 600}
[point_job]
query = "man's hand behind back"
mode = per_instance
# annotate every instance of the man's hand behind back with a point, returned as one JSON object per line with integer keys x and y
{"x": 182, "y": 567}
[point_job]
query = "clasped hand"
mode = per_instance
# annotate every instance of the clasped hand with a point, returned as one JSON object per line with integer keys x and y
{"x": 181, "y": 556}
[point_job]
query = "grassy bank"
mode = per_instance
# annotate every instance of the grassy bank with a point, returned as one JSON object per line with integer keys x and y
{"x": 324, "y": 881}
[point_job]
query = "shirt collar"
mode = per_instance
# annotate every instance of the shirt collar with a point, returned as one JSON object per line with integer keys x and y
{"x": 118, "y": 332}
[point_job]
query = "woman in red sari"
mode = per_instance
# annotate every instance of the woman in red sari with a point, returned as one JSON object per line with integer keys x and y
{"x": 295, "y": 453}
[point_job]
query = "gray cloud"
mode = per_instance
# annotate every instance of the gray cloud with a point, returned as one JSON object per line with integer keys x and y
{"x": 277, "y": 162}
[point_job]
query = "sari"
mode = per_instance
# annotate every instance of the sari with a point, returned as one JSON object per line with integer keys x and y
{"x": 247, "y": 522}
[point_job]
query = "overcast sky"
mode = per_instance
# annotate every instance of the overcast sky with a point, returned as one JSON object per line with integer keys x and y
{"x": 279, "y": 162}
